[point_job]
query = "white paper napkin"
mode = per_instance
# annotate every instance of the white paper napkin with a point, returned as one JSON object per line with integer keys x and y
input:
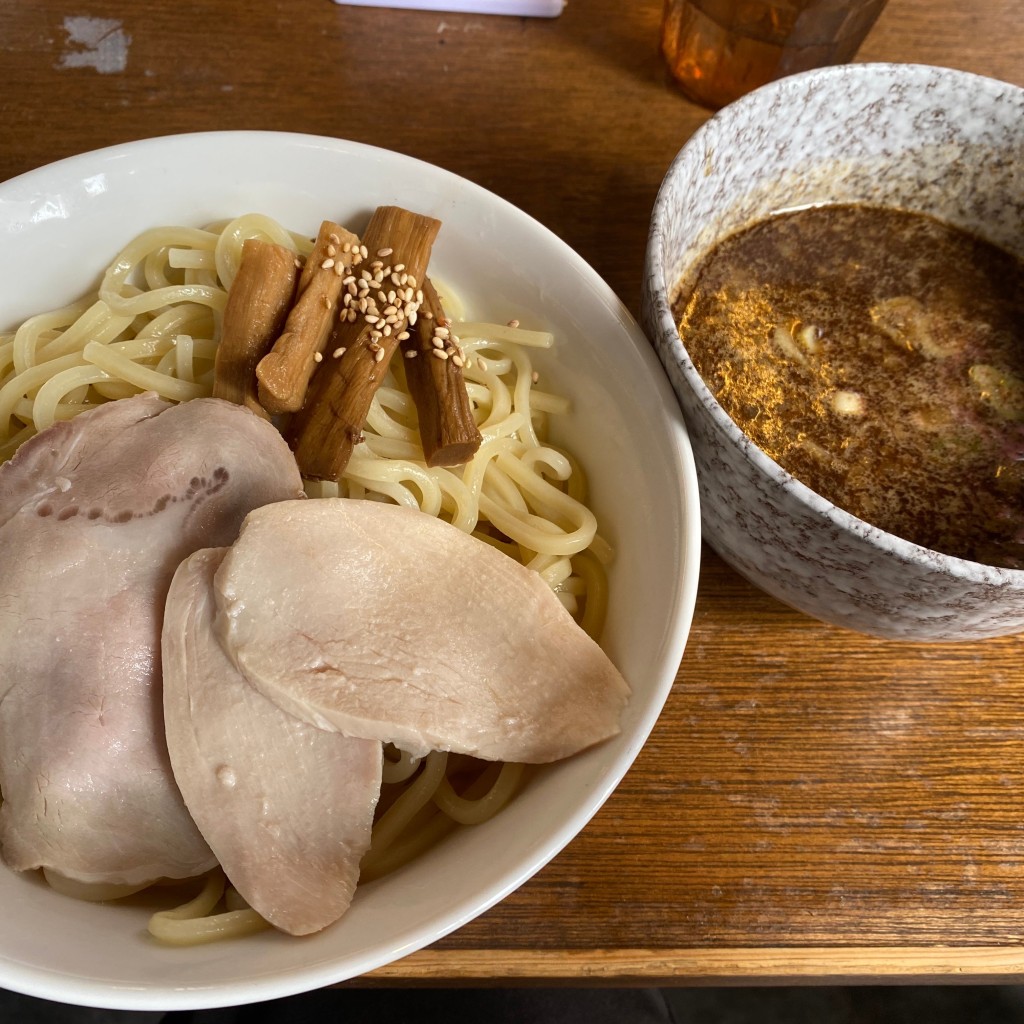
{"x": 524, "y": 8}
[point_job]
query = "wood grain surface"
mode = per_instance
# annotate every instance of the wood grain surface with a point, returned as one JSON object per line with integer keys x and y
{"x": 813, "y": 804}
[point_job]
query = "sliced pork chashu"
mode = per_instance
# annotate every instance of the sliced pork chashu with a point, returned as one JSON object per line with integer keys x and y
{"x": 386, "y": 623}
{"x": 286, "y": 808}
{"x": 95, "y": 515}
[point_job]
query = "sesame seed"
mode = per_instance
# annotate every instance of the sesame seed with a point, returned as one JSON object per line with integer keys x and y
{"x": 346, "y": 299}
{"x": 385, "y": 252}
{"x": 387, "y": 330}
{"x": 441, "y": 332}
{"x": 331, "y": 251}
{"x": 419, "y": 294}
{"x": 347, "y": 247}
{"x": 399, "y": 267}
{"x": 480, "y": 362}
{"x": 338, "y": 352}
{"x": 327, "y": 263}
{"x": 318, "y": 357}
{"x": 396, "y": 279}
{"x": 352, "y": 316}
{"x": 383, "y": 298}
{"x": 371, "y": 319}
{"x": 440, "y": 353}
{"x": 458, "y": 361}
{"x": 327, "y": 303}
{"x": 390, "y": 309}
{"x": 513, "y": 323}
{"x": 363, "y": 304}
{"x": 391, "y": 318}
{"x": 403, "y": 336}
{"x": 375, "y": 336}
{"x": 404, "y": 279}
{"x": 352, "y": 290}
{"x": 535, "y": 376}
{"x": 427, "y": 315}
{"x": 378, "y": 276}
{"x": 377, "y": 265}
{"x": 410, "y": 354}
{"x": 437, "y": 343}
{"x": 411, "y": 317}
{"x": 412, "y": 281}
{"x": 363, "y": 251}
{"x": 380, "y": 356}
{"x": 374, "y": 345}
{"x": 332, "y": 237}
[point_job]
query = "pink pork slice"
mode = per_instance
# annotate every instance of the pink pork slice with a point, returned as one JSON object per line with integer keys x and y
{"x": 95, "y": 515}
{"x": 287, "y": 808}
{"x": 385, "y": 623}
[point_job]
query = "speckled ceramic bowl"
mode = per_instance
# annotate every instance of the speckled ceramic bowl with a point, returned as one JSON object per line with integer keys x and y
{"x": 926, "y": 139}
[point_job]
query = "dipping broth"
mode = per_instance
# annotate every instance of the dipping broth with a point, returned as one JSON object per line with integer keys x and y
{"x": 878, "y": 356}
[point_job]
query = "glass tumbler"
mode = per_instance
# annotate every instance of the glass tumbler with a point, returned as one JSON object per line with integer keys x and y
{"x": 717, "y": 50}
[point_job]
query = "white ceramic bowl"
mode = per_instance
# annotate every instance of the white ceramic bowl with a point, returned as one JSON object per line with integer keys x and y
{"x": 926, "y": 139}
{"x": 62, "y": 223}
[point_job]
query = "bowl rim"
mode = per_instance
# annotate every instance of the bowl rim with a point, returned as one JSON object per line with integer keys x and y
{"x": 44, "y": 982}
{"x": 903, "y": 550}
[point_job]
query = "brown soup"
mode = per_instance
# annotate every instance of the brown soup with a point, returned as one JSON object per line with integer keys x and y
{"x": 878, "y": 356}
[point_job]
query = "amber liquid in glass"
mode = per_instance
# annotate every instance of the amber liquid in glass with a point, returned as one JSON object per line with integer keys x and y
{"x": 717, "y": 50}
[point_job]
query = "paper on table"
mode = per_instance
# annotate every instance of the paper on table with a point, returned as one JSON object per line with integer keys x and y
{"x": 526, "y": 8}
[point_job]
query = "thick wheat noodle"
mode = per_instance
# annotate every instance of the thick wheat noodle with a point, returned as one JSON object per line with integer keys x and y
{"x": 517, "y": 336}
{"x": 468, "y": 811}
{"x": 20, "y": 350}
{"x": 393, "y": 822}
{"x": 95, "y": 323}
{"x": 499, "y": 399}
{"x": 429, "y": 813}
{"x": 32, "y": 379}
{"x": 399, "y": 767}
{"x": 194, "y": 923}
{"x": 422, "y": 831}
{"x": 46, "y": 407}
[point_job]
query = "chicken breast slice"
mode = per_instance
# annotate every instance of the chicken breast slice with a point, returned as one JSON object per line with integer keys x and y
{"x": 96, "y": 513}
{"x": 386, "y": 623}
{"x": 286, "y": 808}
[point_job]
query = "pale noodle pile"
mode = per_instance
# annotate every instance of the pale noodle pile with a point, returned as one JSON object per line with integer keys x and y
{"x": 153, "y": 325}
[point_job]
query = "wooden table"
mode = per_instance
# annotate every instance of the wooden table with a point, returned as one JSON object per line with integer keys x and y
{"x": 813, "y": 805}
